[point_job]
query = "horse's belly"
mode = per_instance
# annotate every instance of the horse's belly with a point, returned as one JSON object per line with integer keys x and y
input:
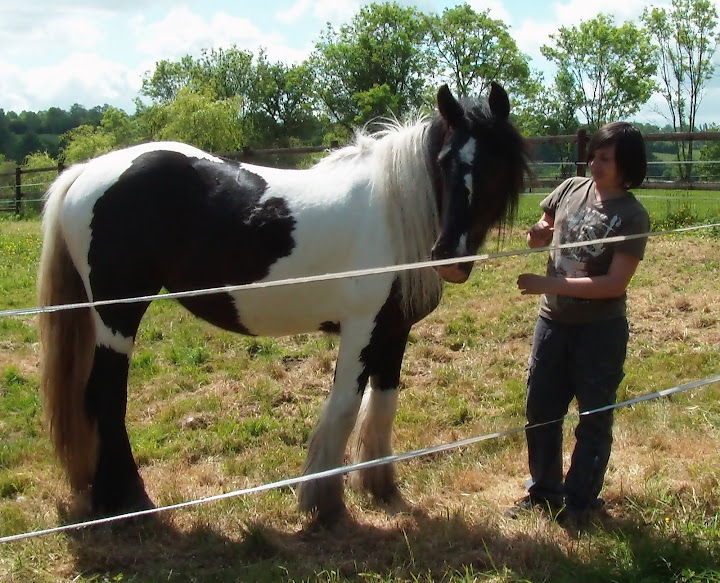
{"x": 308, "y": 307}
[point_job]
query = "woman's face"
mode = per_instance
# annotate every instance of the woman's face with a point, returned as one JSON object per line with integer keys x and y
{"x": 604, "y": 169}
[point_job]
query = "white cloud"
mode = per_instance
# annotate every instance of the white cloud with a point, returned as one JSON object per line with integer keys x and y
{"x": 333, "y": 11}
{"x": 184, "y": 32}
{"x": 295, "y": 12}
{"x": 26, "y": 37}
{"x": 496, "y": 7}
{"x": 336, "y": 11}
{"x": 81, "y": 77}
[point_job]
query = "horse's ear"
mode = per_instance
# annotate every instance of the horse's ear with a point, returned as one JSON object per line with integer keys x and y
{"x": 449, "y": 107}
{"x": 498, "y": 101}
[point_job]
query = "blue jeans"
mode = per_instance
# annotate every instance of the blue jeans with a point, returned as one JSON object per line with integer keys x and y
{"x": 585, "y": 362}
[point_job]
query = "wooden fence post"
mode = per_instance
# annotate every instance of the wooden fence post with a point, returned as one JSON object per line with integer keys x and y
{"x": 580, "y": 164}
{"x": 18, "y": 190}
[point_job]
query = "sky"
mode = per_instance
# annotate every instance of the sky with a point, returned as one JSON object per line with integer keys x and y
{"x": 55, "y": 53}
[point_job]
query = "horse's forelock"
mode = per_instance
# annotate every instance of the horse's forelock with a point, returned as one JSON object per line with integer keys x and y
{"x": 506, "y": 143}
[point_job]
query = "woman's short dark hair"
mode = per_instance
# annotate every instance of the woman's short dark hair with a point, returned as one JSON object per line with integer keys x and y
{"x": 630, "y": 154}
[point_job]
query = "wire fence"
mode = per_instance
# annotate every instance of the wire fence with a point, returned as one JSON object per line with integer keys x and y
{"x": 294, "y": 481}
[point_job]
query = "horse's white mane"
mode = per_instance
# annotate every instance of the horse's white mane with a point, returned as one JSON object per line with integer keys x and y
{"x": 401, "y": 178}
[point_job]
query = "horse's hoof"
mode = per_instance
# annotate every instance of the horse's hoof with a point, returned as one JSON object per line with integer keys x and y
{"x": 329, "y": 518}
{"x": 125, "y": 505}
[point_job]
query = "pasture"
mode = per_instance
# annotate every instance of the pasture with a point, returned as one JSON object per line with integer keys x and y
{"x": 212, "y": 412}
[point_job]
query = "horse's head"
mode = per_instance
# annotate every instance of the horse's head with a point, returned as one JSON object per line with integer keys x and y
{"x": 481, "y": 163}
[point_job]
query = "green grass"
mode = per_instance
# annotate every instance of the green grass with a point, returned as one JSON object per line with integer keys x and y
{"x": 211, "y": 412}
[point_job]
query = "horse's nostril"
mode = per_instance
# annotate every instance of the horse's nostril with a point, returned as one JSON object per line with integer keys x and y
{"x": 441, "y": 251}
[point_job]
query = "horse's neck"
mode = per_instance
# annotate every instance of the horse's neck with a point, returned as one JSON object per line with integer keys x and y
{"x": 403, "y": 176}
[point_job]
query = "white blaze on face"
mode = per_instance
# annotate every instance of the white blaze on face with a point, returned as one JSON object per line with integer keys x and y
{"x": 467, "y": 155}
{"x": 462, "y": 245}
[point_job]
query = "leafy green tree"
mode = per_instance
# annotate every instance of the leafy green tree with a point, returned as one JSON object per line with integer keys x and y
{"x": 710, "y": 152}
{"x": 226, "y": 72}
{"x": 281, "y": 108}
{"x": 116, "y": 130}
{"x": 167, "y": 79}
{"x": 85, "y": 142}
{"x": 376, "y": 62}
{"x": 28, "y": 143}
{"x": 274, "y": 101}
{"x": 7, "y": 137}
{"x": 686, "y": 36}
{"x": 200, "y": 119}
{"x": 604, "y": 71}
{"x": 470, "y": 50}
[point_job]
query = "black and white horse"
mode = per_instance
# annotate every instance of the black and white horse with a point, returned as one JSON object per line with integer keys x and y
{"x": 169, "y": 215}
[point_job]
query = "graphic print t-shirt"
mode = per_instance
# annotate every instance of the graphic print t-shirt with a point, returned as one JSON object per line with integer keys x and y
{"x": 579, "y": 216}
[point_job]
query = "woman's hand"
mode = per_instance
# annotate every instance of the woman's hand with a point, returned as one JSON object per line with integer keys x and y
{"x": 540, "y": 234}
{"x": 530, "y": 283}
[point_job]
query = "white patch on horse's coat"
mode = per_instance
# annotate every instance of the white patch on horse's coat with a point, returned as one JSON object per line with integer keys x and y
{"x": 351, "y": 239}
{"x": 106, "y": 337}
{"x": 462, "y": 245}
{"x": 467, "y": 152}
{"x": 374, "y": 218}
{"x": 467, "y": 155}
{"x": 374, "y": 423}
{"x": 339, "y": 413}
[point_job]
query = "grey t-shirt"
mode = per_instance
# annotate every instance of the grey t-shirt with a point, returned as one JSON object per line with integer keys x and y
{"x": 579, "y": 216}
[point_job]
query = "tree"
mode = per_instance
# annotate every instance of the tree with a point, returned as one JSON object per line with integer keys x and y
{"x": 273, "y": 101}
{"x": 7, "y": 138}
{"x": 374, "y": 66}
{"x": 710, "y": 152}
{"x": 686, "y": 37}
{"x": 604, "y": 71}
{"x": 116, "y": 130}
{"x": 85, "y": 142}
{"x": 167, "y": 79}
{"x": 198, "y": 118}
{"x": 28, "y": 143}
{"x": 281, "y": 107}
{"x": 226, "y": 72}
{"x": 471, "y": 49}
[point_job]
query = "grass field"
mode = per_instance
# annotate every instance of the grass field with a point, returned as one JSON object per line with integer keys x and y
{"x": 212, "y": 412}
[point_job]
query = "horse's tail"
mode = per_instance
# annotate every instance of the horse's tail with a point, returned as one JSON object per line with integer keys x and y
{"x": 67, "y": 344}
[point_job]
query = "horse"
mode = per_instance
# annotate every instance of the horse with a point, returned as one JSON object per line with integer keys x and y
{"x": 168, "y": 215}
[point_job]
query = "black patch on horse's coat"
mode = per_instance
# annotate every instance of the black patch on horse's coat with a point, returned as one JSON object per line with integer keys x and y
{"x": 184, "y": 223}
{"x": 382, "y": 357}
{"x": 117, "y": 486}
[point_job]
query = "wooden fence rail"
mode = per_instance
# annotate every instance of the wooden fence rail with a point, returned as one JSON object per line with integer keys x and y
{"x": 579, "y": 140}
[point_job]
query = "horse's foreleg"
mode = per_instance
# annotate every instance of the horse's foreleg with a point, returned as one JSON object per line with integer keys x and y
{"x": 326, "y": 450}
{"x": 372, "y": 437}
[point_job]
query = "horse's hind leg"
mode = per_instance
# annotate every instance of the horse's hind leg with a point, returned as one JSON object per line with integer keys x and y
{"x": 117, "y": 486}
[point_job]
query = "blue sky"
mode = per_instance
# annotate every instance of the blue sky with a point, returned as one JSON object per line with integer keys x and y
{"x": 56, "y": 53}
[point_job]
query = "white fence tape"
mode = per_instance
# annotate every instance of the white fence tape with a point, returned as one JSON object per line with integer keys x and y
{"x": 340, "y": 275}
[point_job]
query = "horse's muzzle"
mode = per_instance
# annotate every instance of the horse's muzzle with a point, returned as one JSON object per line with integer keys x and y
{"x": 455, "y": 273}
